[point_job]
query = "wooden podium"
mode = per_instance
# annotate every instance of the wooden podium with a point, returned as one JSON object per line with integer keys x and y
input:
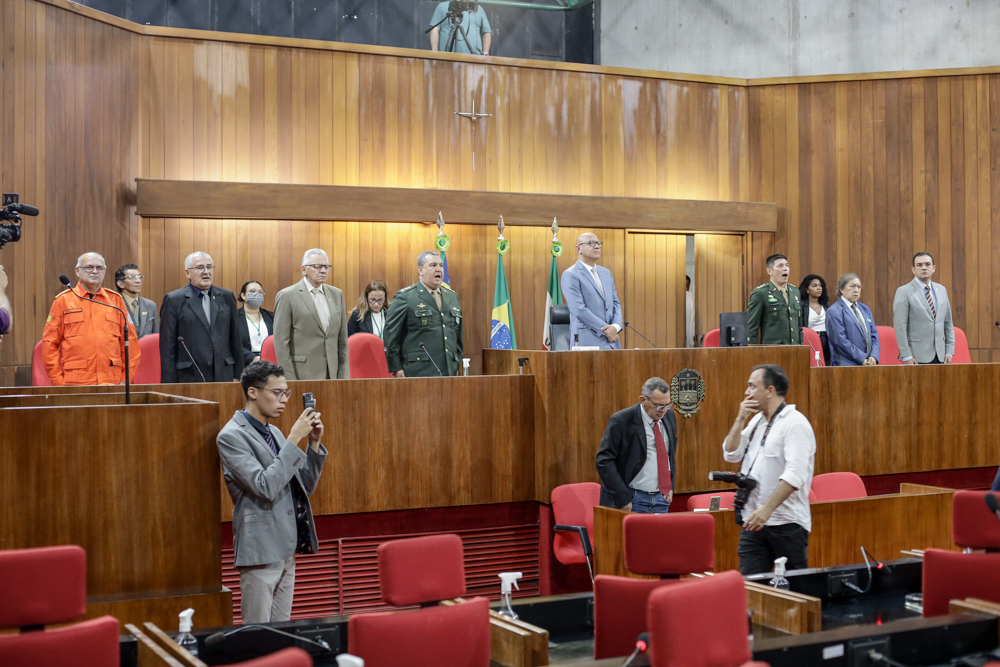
{"x": 137, "y": 486}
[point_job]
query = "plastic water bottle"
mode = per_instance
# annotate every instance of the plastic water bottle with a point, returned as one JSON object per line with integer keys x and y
{"x": 465, "y": 366}
{"x": 779, "y": 581}
{"x": 185, "y": 639}
{"x": 506, "y": 580}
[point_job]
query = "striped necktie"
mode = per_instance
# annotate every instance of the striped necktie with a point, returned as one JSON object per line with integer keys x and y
{"x": 930, "y": 301}
{"x": 270, "y": 440}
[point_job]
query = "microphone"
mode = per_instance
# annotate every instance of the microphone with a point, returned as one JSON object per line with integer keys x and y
{"x": 993, "y": 504}
{"x": 432, "y": 359}
{"x": 23, "y": 209}
{"x": 180, "y": 339}
{"x": 218, "y": 637}
{"x": 641, "y": 644}
{"x": 641, "y": 336}
{"x": 65, "y": 281}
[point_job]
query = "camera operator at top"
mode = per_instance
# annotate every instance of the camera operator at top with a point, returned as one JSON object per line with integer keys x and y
{"x": 777, "y": 448}
{"x": 460, "y": 26}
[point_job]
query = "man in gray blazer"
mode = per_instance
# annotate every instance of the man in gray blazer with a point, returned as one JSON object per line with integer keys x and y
{"x": 270, "y": 480}
{"x": 310, "y": 324}
{"x": 921, "y": 316}
{"x": 595, "y": 313}
{"x": 128, "y": 281}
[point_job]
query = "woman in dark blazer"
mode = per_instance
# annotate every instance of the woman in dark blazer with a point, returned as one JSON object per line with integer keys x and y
{"x": 256, "y": 324}
{"x": 815, "y": 301}
{"x": 370, "y": 313}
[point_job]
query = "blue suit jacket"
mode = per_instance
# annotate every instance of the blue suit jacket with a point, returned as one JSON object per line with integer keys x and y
{"x": 588, "y": 310}
{"x": 847, "y": 342}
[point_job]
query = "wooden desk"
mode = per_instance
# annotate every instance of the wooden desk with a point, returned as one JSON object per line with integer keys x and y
{"x": 576, "y": 393}
{"x": 136, "y": 486}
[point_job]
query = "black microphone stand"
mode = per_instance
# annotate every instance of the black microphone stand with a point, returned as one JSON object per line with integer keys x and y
{"x": 641, "y": 336}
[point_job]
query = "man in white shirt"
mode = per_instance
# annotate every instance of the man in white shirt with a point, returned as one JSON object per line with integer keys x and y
{"x": 595, "y": 313}
{"x": 777, "y": 448}
{"x": 689, "y": 337}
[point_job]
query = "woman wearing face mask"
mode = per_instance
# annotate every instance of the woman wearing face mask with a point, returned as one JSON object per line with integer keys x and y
{"x": 257, "y": 322}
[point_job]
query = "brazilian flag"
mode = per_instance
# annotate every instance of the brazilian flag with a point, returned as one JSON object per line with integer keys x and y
{"x": 502, "y": 328}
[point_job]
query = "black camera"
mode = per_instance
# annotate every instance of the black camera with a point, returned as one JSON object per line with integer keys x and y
{"x": 459, "y": 6}
{"x": 744, "y": 485}
{"x": 10, "y": 211}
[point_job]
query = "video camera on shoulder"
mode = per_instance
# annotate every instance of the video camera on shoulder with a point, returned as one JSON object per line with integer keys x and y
{"x": 459, "y": 6}
{"x": 744, "y": 485}
{"x": 11, "y": 210}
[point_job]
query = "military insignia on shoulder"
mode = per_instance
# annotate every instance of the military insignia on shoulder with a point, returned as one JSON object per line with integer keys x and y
{"x": 761, "y": 285}
{"x": 687, "y": 389}
{"x": 445, "y": 287}
{"x": 407, "y": 288}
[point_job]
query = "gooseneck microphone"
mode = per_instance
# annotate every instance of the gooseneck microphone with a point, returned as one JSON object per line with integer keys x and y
{"x": 65, "y": 281}
{"x": 641, "y": 336}
{"x": 432, "y": 359}
{"x": 641, "y": 644}
{"x": 993, "y": 504}
{"x": 180, "y": 339}
{"x": 218, "y": 637}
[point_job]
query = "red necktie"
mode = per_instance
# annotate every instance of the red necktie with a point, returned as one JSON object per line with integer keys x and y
{"x": 662, "y": 462}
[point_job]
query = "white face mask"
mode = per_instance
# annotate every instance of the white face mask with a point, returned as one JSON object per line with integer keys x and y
{"x": 255, "y": 300}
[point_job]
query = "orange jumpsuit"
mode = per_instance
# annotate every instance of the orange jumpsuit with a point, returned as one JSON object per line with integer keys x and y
{"x": 83, "y": 344}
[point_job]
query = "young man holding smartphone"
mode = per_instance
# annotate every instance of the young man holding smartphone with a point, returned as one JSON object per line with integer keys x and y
{"x": 270, "y": 479}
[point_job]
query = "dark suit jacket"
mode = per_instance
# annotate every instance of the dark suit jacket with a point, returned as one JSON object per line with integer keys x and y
{"x": 365, "y": 325}
{"x": 248, "y": 353}
{"x": 215, "y": 345}
{"x": 623, "y": 453}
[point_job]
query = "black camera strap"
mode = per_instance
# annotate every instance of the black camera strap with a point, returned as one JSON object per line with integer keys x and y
{"x": 763, "y": 439}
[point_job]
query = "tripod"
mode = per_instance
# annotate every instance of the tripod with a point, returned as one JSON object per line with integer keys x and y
{"x": 456, "y": 30}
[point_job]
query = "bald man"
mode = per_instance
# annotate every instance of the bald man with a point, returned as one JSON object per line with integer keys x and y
{"x": 595, "y": 313}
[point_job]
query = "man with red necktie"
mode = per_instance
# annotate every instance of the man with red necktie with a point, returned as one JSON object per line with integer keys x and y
{"x": 921, "y": 316}
{"x": 636, "y": 457}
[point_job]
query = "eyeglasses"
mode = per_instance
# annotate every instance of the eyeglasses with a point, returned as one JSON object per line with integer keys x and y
{"x": 255, "y": 291}
{"x": 134, "y": 277}
{"x": 593, "y": 244}
{"x": 203, "y": 269}
{"x": 376, "y": 302}
{"x": 661, "y": 406}
{"x": 92, "y": 269}
{"x": 278, "y": 393}
{"x": 319, "y": 267}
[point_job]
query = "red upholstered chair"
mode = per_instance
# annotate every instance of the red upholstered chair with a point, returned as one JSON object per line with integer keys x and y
{"x": 149, "y": 360}
{"x": 701, "y": 501}
{"x": 92, "y": 643}
{"x": 811, "y": 338}
{"x": 700, "y": 623}
{"x": 39, "y": 378}
{"x": 888, "y": 348}
{"x": 573, "y": 510}
{"x": 267, "y": 350}
{"x": 289, "y": 657}
{"x": 366, "y": 356}
{"x": 952, "y": 575}
{"x": 711, "y": 340}
{"x": 837, "y": 486}
{"x": 973, "y": 525}
{"x": 423, "y": 570}
{"x": 962, "y": 355}
{"x": 664, "y": 544}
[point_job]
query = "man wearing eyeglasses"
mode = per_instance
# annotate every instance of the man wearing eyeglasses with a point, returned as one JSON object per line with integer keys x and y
{"x": 84, "y": 343}
{"x": 595, "y": 313}
{"x": 636, "y": 457}
{"x": 128, "y": 280}
{"x": 270, "y": 480}
{"x": 205, "y": 317}
{"x": 310, "y": 324}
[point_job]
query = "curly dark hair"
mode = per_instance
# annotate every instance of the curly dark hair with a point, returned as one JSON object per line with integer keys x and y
{"x": 257, "y": 374}
{"x": 824, "y": 298}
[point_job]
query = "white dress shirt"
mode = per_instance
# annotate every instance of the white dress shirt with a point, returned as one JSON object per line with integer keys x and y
{"x": 319, "y": 298}
{"x": 817, "y": 322}
{"x": 378, "y": 322}
{"x": 789, "y": 455}
{"x": 648, "y": 478}
{"x": 257, "y": 336}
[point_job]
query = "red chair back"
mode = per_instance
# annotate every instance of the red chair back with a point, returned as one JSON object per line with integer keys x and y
{"x": 42, "y": 586}
{"x": 973, "y": 524}
{"x": 702, "y": 501}
{"x": 39, "y": 378}
{"x": 92, "y": 643}
{"x": 888, "y": 348}
{"x": 366, "y": 356}
{"x": 620, "y": 612}
{"x": 711, "y": 340}
{"x": 699, "y": 623}
{"x": 149, "y": 360}
{"x": 952, "y": 575}
{"x": 289, "y": 657}
{"x": 962, "y": 355}
{"x": 573, "y": 505}
{"x": 421, "y": 569}
{"x": 267, "y": 350}
{"x": 652, "y": 540}
{"x": 837, "y": 486}
{"x": 811, "y": 338}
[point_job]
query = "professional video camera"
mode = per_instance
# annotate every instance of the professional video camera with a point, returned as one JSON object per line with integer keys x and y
{"x": 459, "y": 6}
{"x": 10, "y": 210}
{"x": 744, "y": 485}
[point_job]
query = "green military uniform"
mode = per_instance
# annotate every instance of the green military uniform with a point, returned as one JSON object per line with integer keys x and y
{"x": 414, "y": 318}
{"x": 776, "y": 321}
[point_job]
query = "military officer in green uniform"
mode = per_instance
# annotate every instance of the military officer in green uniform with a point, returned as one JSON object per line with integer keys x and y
{"x": 774, "y": 314}
{"x": 426, "y": 312}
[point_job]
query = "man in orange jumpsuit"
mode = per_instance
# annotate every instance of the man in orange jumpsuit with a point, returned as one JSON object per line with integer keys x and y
{"x": 83, "y": 342}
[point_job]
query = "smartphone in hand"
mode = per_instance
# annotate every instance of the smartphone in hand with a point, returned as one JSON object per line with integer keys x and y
{"x": 309, "y": 402}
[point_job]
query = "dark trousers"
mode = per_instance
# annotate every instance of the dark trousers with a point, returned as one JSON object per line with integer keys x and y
{"x": 826, "y": 347}
{"x": 758, "y": 549}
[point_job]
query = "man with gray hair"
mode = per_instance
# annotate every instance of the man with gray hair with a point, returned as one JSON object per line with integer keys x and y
{"x": 310, "y": 324}
{"x": 423, "y": 331}
{"x": 199, "y": 328}
{"x": 636, "y": 456}
{"x": 850, "y": 328}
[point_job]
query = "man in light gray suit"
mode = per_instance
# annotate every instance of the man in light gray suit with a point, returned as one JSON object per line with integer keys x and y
{"x": 595, "y": 313}
{"x": 270, "y": 480}
{"x": 310, "y": 324}
{"x": 128, "y": 281}
{"x": 921, "y": 316}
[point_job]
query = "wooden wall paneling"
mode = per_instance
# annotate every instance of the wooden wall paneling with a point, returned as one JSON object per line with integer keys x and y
{"x": 718, "y": 281}
{"x": 655, "y": 266}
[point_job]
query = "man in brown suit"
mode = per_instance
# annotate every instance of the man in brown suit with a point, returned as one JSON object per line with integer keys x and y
{"x": 310, "y": 324}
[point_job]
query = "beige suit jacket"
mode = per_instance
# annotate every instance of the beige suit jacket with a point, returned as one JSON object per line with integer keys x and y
{"x": 302, "y": 348}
